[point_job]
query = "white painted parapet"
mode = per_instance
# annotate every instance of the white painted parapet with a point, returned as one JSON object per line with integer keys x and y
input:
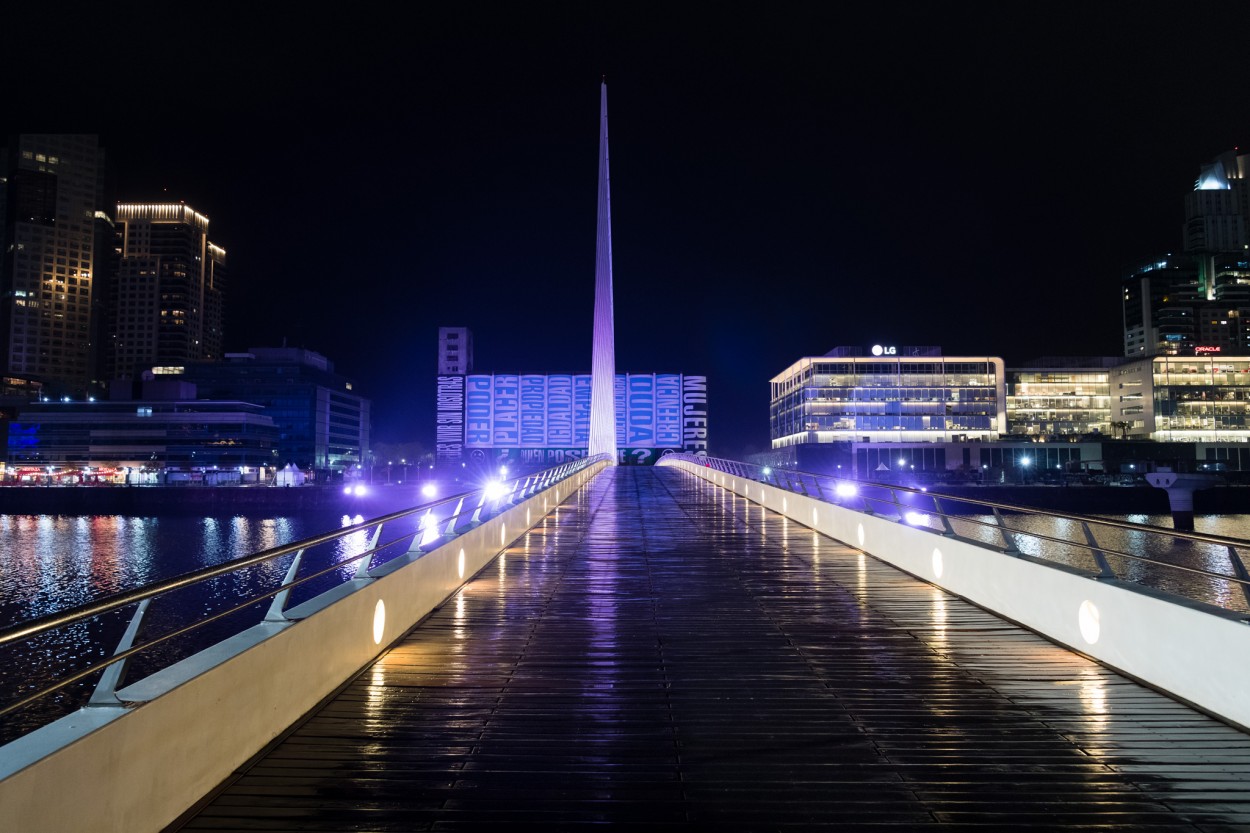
{"x": 138, "y": 769}
{"x": 1193, "y": 652}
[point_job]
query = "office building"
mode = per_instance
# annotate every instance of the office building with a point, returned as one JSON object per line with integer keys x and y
{"x": 888, "y": 394}
{"x": 323, "y": 424}
{"x": 52, "y": 249}
{"x": 1060, "y": 398}
{"x": 892, "y": 412}
{"x": 1204, "y": 398}
{"x": 166, "y": 304}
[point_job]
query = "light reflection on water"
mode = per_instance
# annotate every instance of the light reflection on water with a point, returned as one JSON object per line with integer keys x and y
{"x": 53, "y": 563}
{"x": 1160, "y": 546}
{"x": 56, "y": 562}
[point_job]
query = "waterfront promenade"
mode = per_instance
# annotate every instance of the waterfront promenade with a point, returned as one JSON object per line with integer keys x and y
{"x": 658, "y": 653}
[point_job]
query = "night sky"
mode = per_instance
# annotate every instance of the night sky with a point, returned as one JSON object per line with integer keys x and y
{"x": 784, "y": 180}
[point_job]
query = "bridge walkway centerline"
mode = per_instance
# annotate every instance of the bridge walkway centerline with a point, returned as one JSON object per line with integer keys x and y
{"x": 660, "y": 653}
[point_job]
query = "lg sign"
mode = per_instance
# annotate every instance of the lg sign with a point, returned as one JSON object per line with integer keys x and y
{"x": 878, "y": 350}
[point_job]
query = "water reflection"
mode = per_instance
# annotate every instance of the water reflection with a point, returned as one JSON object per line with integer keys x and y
{"x": 52, "y": 563}
{"x": 1063, "y": 541}
{"x": 939, "y": 618}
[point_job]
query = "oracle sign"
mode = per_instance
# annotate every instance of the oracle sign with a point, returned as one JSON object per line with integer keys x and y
{"x": 1200, "y": 350}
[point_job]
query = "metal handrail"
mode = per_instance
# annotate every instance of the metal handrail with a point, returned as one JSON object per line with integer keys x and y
{"x": 445, "y": 527}
{"x": 765, "y": 474}
{"x": 90, "y": 610}
{"x": 123, "y": 655}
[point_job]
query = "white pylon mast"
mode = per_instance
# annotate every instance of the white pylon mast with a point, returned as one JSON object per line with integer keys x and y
{"x": 603, "y": 352}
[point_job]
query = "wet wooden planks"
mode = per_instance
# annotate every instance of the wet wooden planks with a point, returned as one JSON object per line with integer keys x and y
{"x": 660, "y": 654}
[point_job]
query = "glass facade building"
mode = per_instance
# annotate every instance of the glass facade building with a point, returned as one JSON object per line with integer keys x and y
{"x": 1184, "y": 398}
{"x": 323, "y": 424}
{"x": 904, "y": 394}
{"x": 1057, "y": 398}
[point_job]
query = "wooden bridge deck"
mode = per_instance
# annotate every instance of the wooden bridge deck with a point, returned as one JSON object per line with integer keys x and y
{"x": 660, "y": 654}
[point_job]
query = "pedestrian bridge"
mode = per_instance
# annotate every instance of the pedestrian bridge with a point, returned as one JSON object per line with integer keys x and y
{"x": 689, "y": 646}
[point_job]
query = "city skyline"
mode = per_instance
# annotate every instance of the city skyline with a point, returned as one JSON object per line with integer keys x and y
{"x": 783, "y": 184}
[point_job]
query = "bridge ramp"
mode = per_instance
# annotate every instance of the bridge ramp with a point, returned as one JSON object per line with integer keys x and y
{"x": 661, "y": 654}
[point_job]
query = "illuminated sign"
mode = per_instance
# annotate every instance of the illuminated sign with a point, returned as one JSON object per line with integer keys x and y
{"x": 694, "y": 414}
{"x": 549, "y": 415}
{"x": 640, "y": 407}
{"x": 449, "y": 430}
{"x": 667, "y": 410}
{"x": 581, "y": 410}
{"x": 880, "y": 350}
{"x": 1198, "y": 350}
{"x": 533, "y": 409}
{"x": 507, "y": 417}
{"x": 559, "y": 410}
{"x": 478, "y": 411}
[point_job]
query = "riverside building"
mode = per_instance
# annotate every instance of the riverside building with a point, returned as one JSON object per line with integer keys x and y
{"x": 1060, "y": 398}
{"x": 911, "y": 414}
{"x": 160, "y": 432}
{"x": 888, "y": 394}
{"x": 1204, "y": 398}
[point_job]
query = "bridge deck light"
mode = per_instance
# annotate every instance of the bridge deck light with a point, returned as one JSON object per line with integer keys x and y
{"x": 1089, "y": 621}
{"x": 379, "y": 622}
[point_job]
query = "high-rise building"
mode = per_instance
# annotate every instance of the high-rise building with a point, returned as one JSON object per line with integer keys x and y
{"x": 51, "y": 253}
{"x": 166, "y": 300}
{"x": 1217, "y": 211}
{"x": 1198, "y": 301}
